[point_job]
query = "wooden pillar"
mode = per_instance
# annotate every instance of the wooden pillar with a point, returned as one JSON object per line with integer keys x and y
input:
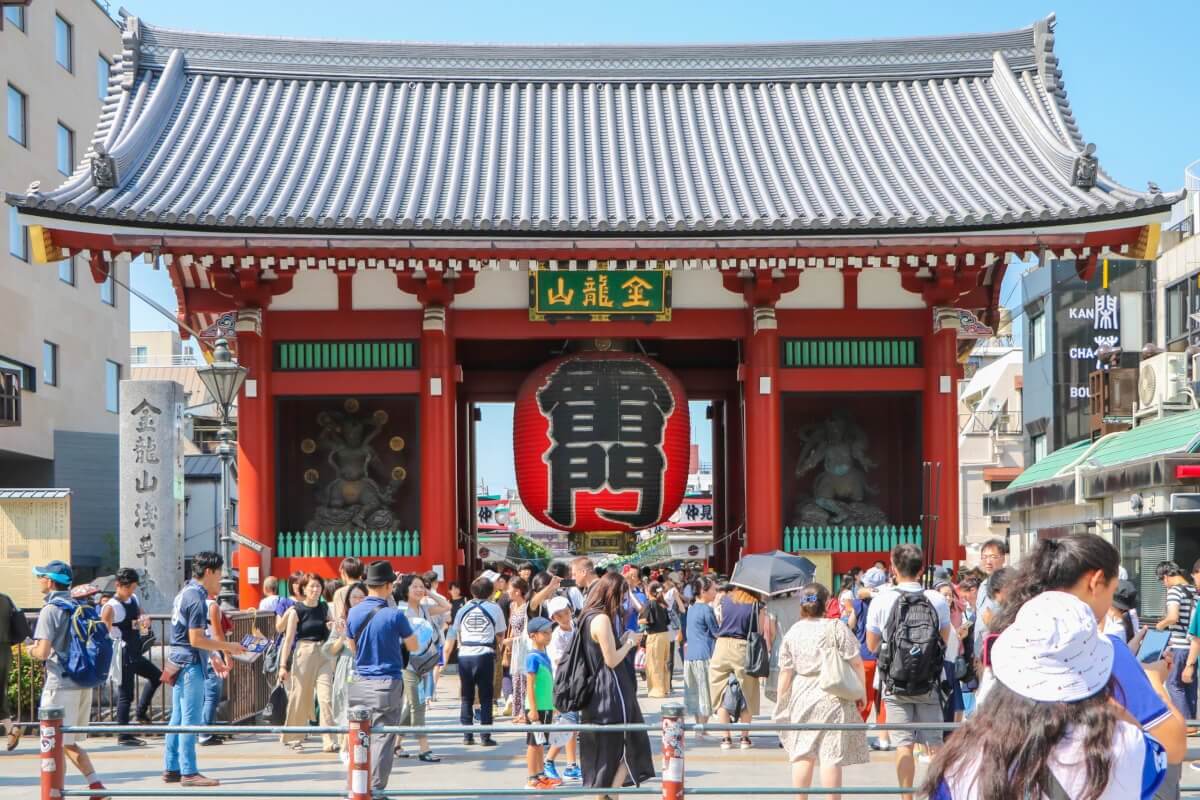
{"x": 439, "y": 448}
{"x": 735, "y": 482}
{"x": 720, "y": 483}
{"x": 940, "y": 432}
{"x": 764, "y": 439}
{"x": 256, "y": 453}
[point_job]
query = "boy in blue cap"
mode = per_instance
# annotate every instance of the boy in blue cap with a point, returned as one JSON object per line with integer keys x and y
{"x": 539, "y": 702}
{"x": 51, "y": 638}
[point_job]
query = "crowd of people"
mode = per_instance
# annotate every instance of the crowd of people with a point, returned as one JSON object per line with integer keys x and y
{"x": 1041, "y": 660}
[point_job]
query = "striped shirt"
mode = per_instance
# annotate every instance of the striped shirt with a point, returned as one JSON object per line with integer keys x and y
{"x": 1184, "y": 597}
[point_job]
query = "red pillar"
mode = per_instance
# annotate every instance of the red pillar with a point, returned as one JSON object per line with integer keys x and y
{"x": 439, "y": 449}
{"x": 940, "y": 412}
{"x": 764, "y": 439}
{"x": 255, "y": 435}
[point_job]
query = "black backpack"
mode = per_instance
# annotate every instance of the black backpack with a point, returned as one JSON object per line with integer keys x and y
{"x": 914, "y": 652}
{"x": 574, "y": 682}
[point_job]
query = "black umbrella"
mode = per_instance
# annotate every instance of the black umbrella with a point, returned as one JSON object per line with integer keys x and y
{"x": 773, "y": 573}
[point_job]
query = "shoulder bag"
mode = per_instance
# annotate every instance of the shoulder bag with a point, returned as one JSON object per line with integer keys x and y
{"x": 837, "y": 677}
{"x": 758, "y": 656}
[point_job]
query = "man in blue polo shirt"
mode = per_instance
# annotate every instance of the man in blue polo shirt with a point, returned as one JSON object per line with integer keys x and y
{"x": 379, "y": 635}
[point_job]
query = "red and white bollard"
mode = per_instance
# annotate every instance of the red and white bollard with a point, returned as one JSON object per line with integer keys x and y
{"x": 672, "y": 751}
{"x": 50, "y": 728}
{"x": 359, "y": 747}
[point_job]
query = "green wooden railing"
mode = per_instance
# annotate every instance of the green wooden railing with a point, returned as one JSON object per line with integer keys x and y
{"x": 812, "y": 353}
{"x": 323, "y": 544}
{"x": 849, "y": 538}
{"x": 360, "y": 355}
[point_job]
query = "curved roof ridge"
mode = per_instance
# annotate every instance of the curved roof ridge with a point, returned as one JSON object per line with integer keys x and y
{"x": 912, "y": 57}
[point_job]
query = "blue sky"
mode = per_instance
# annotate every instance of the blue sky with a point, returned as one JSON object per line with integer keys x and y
{"x": 1127, "y": 69}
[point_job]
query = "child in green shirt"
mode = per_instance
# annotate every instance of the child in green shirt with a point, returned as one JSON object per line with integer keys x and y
{"x": 539, "y": 702}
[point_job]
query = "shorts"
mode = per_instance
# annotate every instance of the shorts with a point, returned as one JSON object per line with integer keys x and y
{"x": 564, "y": 738}
{"x": 76, "y": 705}
{"x": 539, "y": 738}
{"x": 918, "y": 708}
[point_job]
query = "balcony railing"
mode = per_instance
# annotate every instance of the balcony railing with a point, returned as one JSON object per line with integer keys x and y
{"x": 849, "y": 538}
{"x": 1005, "y": 423}
{"x": 1185, "y": 227}
{"x": 334, "y": 544}
{"x": 10, "y": 398}
{"x": 137, "y": 359}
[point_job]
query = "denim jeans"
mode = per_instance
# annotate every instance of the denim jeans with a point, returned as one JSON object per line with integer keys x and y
{"x": 187, "y": 708}
{"x": 1183, "y": 695}
{"x": 212, "y": 696}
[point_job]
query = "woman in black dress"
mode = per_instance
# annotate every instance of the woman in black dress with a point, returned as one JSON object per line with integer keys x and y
{"x": 619, "y": 758}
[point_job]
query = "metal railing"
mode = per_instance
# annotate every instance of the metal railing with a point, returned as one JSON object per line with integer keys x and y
{"x": 1007, "y": 423}
{"x": 244, "y": 691}
{"x": 1185, "y": 227}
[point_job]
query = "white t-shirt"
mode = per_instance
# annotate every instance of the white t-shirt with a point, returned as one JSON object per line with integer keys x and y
{"x": 269, "y": 603}
{"x": 560, "y": 640}
{"x": 1135, "y": 770}
{"x": 881, "y": 610}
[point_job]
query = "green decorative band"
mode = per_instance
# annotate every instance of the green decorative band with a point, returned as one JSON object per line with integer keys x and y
{"x": 849, "y": 538}
{"x": 815, "y": 353}
{"x": 360, "y": 355}
{"x": 334, "y": 544}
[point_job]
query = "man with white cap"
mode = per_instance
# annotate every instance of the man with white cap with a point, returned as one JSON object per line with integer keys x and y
{"x": 1052, "y": 702}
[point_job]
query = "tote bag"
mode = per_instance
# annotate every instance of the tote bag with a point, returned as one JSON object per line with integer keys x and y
{"x": 837, "y": 677}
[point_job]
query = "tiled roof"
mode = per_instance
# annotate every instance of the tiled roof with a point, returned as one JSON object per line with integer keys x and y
{"x": 1049, "y": 466}
{"x": 251, "y": 133}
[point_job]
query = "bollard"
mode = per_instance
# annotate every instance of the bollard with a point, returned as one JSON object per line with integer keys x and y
{"x": 50, "y": 728}
{"x": 672, "y": 750}
{"x": 359, "y": 746}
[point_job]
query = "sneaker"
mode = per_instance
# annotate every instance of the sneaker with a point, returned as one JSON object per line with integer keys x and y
{"x": 468, "y": 738}
{"x": 554, "y": 782}
{"x": 726, "y": 744}
{"x": 171, "y": 776}
{"x": 97, "y": 786}
{"x": 211, "y": 741}
{"x": 551, "y": 771}
{"x": 127, "y": 740}
{"x": 487, "y": 741}
{"x": 572, "y": 772}
{"x": 746, "y": 744}
{"x": 198, "y": 780}
{"x": 14, "y": 736}
{"x": 541, "y": 782}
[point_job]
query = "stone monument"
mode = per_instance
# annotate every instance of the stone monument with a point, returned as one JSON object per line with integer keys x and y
{"x": 152, "y": 488}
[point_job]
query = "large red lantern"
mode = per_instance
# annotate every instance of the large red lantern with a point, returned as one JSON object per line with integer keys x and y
{"x": 601, "y": 441}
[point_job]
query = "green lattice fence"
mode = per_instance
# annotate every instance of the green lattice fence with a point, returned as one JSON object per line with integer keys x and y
{"x": 321, "y": 544}
{"x": 357, "y": 355}
{"x": 856, "y": 352}
{"x": 849, "y": 538}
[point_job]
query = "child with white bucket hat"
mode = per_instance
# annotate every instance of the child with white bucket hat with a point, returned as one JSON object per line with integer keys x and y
{"x": 1051, "y": 707}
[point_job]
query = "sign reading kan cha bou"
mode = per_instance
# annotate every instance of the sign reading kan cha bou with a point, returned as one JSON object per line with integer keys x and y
{"x": 600, "y": 295}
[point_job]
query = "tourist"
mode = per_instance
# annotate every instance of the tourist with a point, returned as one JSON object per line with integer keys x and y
{"x": 51, "y": 639}
{"x": 14, "y": 630}
{"x": 440, "y": 611}
{"x": 126, "y": 623}
{"x": 583, "y": 572}
{"x": 295, "y": 595}
{"x": 457, "y": 598}
{"x": 270, "y": 599}
{"x": 676, "y": 610}
{"x": 185, "y": 668}
{"x": 1118, "y": 622}
{"x": 1000, "y": 581}
{"x": 378, "y": 634}
{"x": 216, "y": 670}
{"x": 337, "y": 648}
{"x": 700, "y": 637}
{"x": 1051, "y": 727}
{"x": 525, "y": 572}
{"x": 477, "y": 630}
{"x": 873, "y": 701}
{"x": 515, "y": 645}
{"x": 952, "y": 704}
{"x": 737, "y": 613}
{"x": 1177, "y": 618}
{"x": 657, "y": 622}
{"x": 351, "y": 572}
{"x": 635, "y": 600}
{"x": 992, "y": 556}
{"x": 623, "y": 757}
{"x": 909, "y": 695}
{"x": 306, "y": 668}
{"x": 539, "y": 677}
{"x": 1086, "y": 566}
{"x": 802, "y": 700}
{"x": 561, "y": 614}
{"x": 410, "y": 596}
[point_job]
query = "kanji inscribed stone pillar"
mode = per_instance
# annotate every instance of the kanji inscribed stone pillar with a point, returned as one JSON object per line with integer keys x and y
{"x": 152, "y": 492}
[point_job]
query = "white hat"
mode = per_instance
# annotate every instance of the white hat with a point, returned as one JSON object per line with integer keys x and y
{"x": 874, "y": 578}
{"x": 1053, "y": 652}
{"x": 555, "y": 605}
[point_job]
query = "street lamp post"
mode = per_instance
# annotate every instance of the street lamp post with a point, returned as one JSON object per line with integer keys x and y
{"x": 223, "y": 378}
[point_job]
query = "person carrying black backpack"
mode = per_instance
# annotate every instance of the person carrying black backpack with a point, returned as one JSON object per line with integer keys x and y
{"x": 908, "y": 627}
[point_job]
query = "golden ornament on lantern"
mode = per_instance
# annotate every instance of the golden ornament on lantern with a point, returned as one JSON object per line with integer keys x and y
{"x": 396, "y": 443}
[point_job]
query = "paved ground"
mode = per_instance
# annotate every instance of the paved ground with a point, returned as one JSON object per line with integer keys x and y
{"x": 258, "y": 761}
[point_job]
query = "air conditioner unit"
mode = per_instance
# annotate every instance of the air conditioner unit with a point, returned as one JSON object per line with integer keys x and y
{"x": 1162, "y": 384}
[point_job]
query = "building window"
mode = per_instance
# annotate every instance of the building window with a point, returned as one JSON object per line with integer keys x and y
{"x": 66, "y": 271}
{"x": 102, "y": 73}
{"x": 1177, "y": 310}
{"x": 50, "y": 363}
{"x": 1132, "y": 321}
{"x": 18, "y": 115}
{"x": 28, "y": 373}
{"x": 63, "y": 43}
{"x": 66, "y": 149}
{"x": 140, "y": 354}
{"x": 108, "y": 291}
{"x": 1039, "y": 447}
{"x": 15, "y": 16}
{"x": 1037, "y": 335}
{"x": 112, "y": 385}
{"x": 18, "y": 236}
